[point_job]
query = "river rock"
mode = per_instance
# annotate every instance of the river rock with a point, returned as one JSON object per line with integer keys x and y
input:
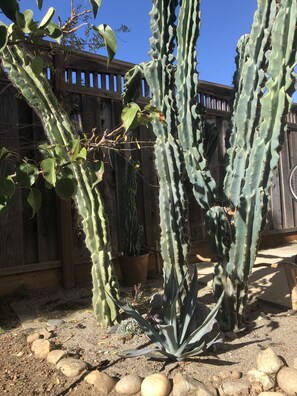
{"x": 92, "y": 376}
{"x": 129, "y": 385}
{"x": 104, "y": 384}
{"x": 263, "y": 378}
{"x": 71, "y": 367}
{"x": 155, "y": 384}
{"x": 41, "y": 348}
{"x": 269, "y": 362}
{"x": 182, "y": 384}
{"x": 287, "y": 380}
{"x": 32, "y": 337}
{"x": 230, "y": 388}
{"x": 55, "y": 356}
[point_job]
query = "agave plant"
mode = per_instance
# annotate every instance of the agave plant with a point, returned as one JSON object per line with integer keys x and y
{"x": 184, "y": 330}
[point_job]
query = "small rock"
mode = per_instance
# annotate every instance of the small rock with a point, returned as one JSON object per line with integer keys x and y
{"x": 271, "y": 394}
{"x": 182, "y": 384}
{"x": 269, "y": 362}
{"x": 41, "y": 348}
{"x": 92, "y": 376}
{"x": 129, "y": 385}
{"x": 104, "y": 384}
{"x": 263, "y": 378}
{"x": 45, "y": 334}
{"x": 155, "y": 384}
{"x": 225, "y": 374}
{"x": 71, "y": 367}
{"x": 55, "y": 356}
{"x": 287, "y": 380}
{"x": 236, "y": 374}
{"x": 32, "y": 337}
{"x": 230, "y": 388}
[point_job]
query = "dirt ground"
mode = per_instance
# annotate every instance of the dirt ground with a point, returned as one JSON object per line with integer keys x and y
{"x": 22, "y": 374}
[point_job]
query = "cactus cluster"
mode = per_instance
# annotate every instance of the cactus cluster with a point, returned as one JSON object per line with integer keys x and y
{"x": 263, "y": 84}
{"x": 58, "y": 128}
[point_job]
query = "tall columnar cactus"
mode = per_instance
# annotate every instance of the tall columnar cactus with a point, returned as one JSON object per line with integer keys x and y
{"x": 58, "y": 128}
{"x": 264, "y": 82}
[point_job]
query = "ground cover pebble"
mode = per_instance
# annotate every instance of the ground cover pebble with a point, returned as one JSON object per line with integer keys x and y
{"x": 54, "y": 356}
{"x": 129, "y": 385}
{"x": 32, "y": 337}
{"x": 41, "y": 348}
{"x": 71, "y": 367}
{"x": 287, "y": 380}
{"x": 268, "y": 362}
{"x": 92, "y": 376}
{"x": 264, "y": 379}
{"x": 230, "y": 388}
{"x": 155, "y": 384}
{"x": 104, "y": 384}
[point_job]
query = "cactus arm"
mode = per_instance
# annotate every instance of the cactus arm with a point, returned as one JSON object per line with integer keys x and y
{"x": 190, "y": 125}
{"x": 37, "y": 91}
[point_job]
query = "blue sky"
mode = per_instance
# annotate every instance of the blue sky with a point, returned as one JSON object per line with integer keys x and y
{"x": 222, "y": 23}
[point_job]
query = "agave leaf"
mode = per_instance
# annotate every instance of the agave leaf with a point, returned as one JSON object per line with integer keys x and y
{"x": 144, "y": 324}
{"x": 202, "y": 347}
{"x": 169, "y": 332}
{"x": 202, "y": 330}
{"x": 137, "y": 352}
{"x": 189, "y": 306}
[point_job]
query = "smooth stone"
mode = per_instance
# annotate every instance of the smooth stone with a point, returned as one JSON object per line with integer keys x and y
{"x": 269, "y": 362}
{"x": 32, "y": 337}
{"x": 71, "y": 367}
{"x": 287, "y": 380}
{"x": 230, "y": 388}
{"x": 104, "y": 384}
{"x": 55, "y": 356}
{"x": 183, "y": 384}
{"x": 271, "y": 394}
{"x": 155, "y": 385}
{"x": 129, "y": 384}
{"x": 45, "y": 334}
{"x": 263, "y": 378}
{"x": 41, "y": 348}
{"x": 92, "y": 376}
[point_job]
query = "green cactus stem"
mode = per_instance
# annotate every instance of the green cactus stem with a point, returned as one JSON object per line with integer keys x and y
{"x": 36, "y": 90}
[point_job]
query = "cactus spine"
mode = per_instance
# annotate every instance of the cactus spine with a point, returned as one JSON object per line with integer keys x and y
{"x": 58, "y": 128}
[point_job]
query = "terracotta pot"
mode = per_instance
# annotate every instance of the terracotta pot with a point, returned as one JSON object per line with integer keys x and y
{"x": 134, "y": 269}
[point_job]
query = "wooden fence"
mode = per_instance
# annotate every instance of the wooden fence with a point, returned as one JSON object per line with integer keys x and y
{"x": 92, "y": 95}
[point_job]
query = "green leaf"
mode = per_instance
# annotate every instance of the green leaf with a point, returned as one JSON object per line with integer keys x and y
{"x": 74, "y": 149}
{"x": 27, "y": 174}
{"x": 9, "y": 8}
{"x": 129, "y": 115}
{"x": 7, "y": 189}
{"x": 47, "y": 18}
{"x": 34, "y": 200}
{"x": 28, "y": 15}
{"x": 20, "y": 20}
{"x": 37, "y": 65}
{"x": 66, "y": 188}
{"x": 3, "y": 37}
{"x": 109, "y": 38}
{"x": 48, "y": 170}
{"x": 83, "y": 153}
{"x": 4, "y": 153}
{"x": 54, "y": 31}
{"x": 97, "y": 171}
{"x": 39, "y": 3}
{"x": 95, "y": 5}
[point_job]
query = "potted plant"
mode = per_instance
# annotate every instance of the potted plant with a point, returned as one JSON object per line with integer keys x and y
{"x": 134, "y": 261}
